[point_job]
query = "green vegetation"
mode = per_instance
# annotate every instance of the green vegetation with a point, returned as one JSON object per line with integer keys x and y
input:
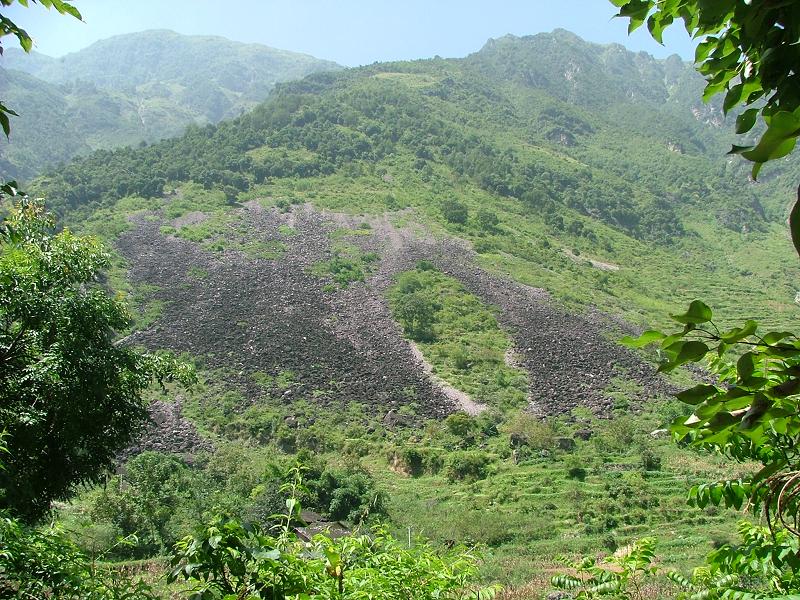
{"x": 70, "y": 396}
{"x": 45, "y": 563}
{"x": 538, "y": 173}
{"x": 347, "y": 265}
{"x": 133, "y": 89}
{"x": 746, "y": 52}
{"x": 459, "y": 336}
{"x": 552, "y": 184}
{"x": 228, "y": 560}
{"x": 8, "y": 27}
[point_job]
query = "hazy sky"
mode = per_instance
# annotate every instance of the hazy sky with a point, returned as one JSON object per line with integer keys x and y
{"x": 351, "y": 32}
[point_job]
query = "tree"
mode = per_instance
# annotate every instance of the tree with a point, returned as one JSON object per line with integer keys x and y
{"x": 70, "y": 395}
{"x": 416, "y": 311}
{"x": 8, "y": 27}
{"x": 749, "y": 51}
{"x": 751, "y": 412}
{"x": 455, "y": 211}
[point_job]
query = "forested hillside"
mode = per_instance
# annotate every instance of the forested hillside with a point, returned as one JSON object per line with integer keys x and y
{"x": 407, "y": 282}
{"x": 133, "y": 88}
{"x": 599, "y": 150}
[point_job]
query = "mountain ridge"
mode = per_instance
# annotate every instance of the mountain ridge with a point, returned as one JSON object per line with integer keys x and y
{"x": 154, "y": 83}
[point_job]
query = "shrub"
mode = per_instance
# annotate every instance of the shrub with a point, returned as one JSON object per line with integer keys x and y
{"x": 416, "y": 312}
{"x": 420, "y": 460}
{"x": 468, "y": 465}
{"x": 487, "y": 219}
{"x": 460, "y": 424}
{"x": 356, "y": 447}
{"x": 528, "y": 431}
{"x": 650, "y": 461}
{"x": 231, "y": 561}
{"x": 575, "y": 468}
{"x": 44, "y": 563}
{"x": 455, "y": 211}
{"x": 349, "y": 495}
{"x": 460, "y": 358}
{"x": 484, "y": 246}
{"x": 144, "y": 501}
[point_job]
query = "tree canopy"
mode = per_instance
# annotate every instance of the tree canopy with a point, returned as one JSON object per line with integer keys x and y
{"x": 70, "y": 395}
{"x": 749, "y": 51}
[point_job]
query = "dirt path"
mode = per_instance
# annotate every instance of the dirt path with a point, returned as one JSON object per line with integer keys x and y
{"x": 459, "y": 398}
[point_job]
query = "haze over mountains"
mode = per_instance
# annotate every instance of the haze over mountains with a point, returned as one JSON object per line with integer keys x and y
{"x": 133, "y": 88}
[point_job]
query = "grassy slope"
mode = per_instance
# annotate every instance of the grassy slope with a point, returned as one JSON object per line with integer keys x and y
{"x": 529, "y": 510}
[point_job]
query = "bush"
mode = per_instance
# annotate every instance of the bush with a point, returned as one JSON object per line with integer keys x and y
{"x": 144, "y": 501}
{"x": 420, "y": 460}
{"x": 484, "y": 246}
{"x": 356, "y": 447}
{"x": 487, "y": 219}
{"x": 349, "y": 495}
{"x": 416, "y": 312}
{"x": 650, "y": 461}
{"x": 460, "y": 424}
{"x": 468, "y": 465}
{"x": 526, "y": 430}
{"x": 231, "y": 561}
{"x": 45, "y": 564}
{"x": 575, "y": 468}
{"x": 454, "y": 211}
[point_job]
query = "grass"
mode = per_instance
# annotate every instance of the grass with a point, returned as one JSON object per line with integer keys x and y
{"x": 348, "y": 264}
{"x": 527, "y": 509}
{"x": 740, "y": 275}
{"x": 529, "y": 513}
{"x": 460, "y": 338}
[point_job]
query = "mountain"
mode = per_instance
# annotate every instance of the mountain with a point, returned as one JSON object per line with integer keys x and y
{"x": 372, "y": 253}
{"x": 586, "y": 171}
{"x": 134, "y": 88}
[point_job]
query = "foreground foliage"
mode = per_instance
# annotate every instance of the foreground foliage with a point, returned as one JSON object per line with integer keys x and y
{"x": 46, "y": 564}
{"x": 748, "y": 50}
{"x": 749, "y": 413}
{"x": 228, "y": 560}
{"x": 70, "y": 396}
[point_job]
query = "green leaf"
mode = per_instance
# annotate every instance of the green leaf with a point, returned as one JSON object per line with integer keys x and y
{"x": 746, "y": 121}
{"x": 683, "y": 352}
{"x": 746, "y": 366}
{"x": 648, "y": 337}
{"x": 4, "y": 123}
{"x": 656, "y": 24}
{"x": 706, "y": 411}
{"x": 738, "y": 334}
{"x": 698, "y": 312}
{"x": 733, "y": 97}
{"x": 778, "y": 140}
{"x": 721, "y": 421}
{"x": 697, "y": 394}
{"x": 692, "y": 351}
{"x": 715, "y": 494}
{"x": 264, "y": 554}
{"x": 740, "y": 149}
{"x": 773, "y": 337}
{"x": 704, "y": 49}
